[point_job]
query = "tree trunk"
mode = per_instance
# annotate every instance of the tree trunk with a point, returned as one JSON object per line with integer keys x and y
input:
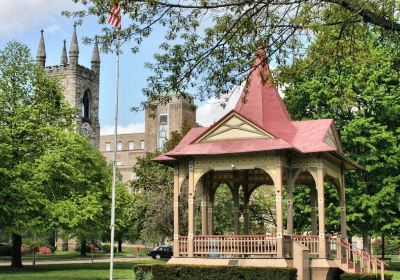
{"x": 83, "y": 247}
{"x": 383, "y": 246}
{"x": 119, "y": 246}
{"x": 16, "y": 260}
{"x": 366, "y": 243}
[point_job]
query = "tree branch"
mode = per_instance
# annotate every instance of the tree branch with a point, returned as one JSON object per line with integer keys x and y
{"x": 367, "y": 15}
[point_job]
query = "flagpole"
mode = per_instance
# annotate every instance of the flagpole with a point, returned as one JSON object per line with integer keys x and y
{"x": 114, "y": 176}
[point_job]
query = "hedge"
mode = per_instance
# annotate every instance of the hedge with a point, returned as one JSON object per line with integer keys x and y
{"x": 364, "y": 276}
{"x": 185, "y": 272}
{"x": 5, "y": 250}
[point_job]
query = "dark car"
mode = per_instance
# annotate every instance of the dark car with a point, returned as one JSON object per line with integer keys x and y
{"x": 161, "y": 252}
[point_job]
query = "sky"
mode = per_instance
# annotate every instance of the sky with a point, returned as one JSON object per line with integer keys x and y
{"x": 22, "y": 20}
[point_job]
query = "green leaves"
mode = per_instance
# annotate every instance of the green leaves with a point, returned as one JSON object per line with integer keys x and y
{"x": 348, "y": 76}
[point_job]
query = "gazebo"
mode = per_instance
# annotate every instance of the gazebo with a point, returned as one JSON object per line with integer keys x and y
{"x": 257, "y": 143}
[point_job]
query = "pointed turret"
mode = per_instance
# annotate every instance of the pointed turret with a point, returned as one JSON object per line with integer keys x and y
{"x": 64, "y": 57}
{"x": 96, "y": 56}
{"x": 74, "y": 48}
{"x": 260, "y": 101}
{"x": 41, "y": 53}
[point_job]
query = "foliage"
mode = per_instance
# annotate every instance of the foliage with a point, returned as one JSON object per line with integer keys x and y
{"x": 223, "y": 210}
{"x": 355, "y": 80}
{"x": 392, "y": 246}
{"x": 262, "y": 209}
{"x": 76, "y": 180}
{"x": 153, "y": 192}
{"x": 208, "y": 45}
{"x": 363, "y": 276}
{"x": 182, "y": 272}
{"x": 5, "y": 250}
{"x": 107, "y": 248}
{"x": 51, "y": 177}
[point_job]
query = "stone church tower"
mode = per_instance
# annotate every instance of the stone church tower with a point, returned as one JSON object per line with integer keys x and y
{"x": 81, "y": 84}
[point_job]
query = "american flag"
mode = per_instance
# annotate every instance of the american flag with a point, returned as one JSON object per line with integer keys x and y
{"x": 115, "y": 16}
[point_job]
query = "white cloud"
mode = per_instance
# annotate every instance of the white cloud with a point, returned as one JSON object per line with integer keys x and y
{"x": 212, "y": 111}
{"x": 130, "y": 128}
{"x": 17, "y": 16}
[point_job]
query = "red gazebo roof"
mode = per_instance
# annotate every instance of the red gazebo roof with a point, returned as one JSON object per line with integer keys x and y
{"x": 262, "y": 112}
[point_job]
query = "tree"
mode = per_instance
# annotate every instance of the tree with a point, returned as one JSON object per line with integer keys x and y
{"x": 130, "y": 210}
{"x": 353, "y": 77}
{"x": 208, "y": 45}
{"x": 76, "y": 181}
{"x": 31, "y": 108}
{"x": 154, "y": 187}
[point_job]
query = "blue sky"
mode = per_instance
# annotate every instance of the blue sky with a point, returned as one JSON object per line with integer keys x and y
{"x": 22, "y": 20}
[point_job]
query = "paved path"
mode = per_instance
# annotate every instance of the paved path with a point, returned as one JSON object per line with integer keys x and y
{"x": 70, "y": 261}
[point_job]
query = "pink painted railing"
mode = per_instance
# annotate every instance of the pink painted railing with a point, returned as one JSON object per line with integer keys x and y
{"x": 309, "y": 241}
{"x": 358, "y": 260}
{"x": 229, "y": 245}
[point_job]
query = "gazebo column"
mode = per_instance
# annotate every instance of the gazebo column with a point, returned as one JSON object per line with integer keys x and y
{"x": 343, "y": 223}
{"x": 210, "y": 210}
{"x": 191, "y": 210}
{"x": 246, "y": 216}
{"x": 236, "y": 210}
{"x": 290, "y": 187}
{"x": 204, "y": 215}
{"x": 314, "y": 208}
{"x": 176, "y": 211}
{"x": 279, "y": 210}
{"x": 321, "y": 211}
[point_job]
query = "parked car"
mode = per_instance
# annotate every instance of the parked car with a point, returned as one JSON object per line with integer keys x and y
{"x": 161, "y": 252}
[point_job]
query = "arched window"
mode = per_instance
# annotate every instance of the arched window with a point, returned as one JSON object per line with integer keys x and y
{"x": 86, "y": 104}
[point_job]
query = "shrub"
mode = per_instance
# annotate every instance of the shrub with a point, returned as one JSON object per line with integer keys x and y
{"x": 5, "y": 250}
{"x": 363, "y": 276}
{"x": 185, "y": 272}
{"x": 392, "y": 247}
{"x": 106, "y": 248}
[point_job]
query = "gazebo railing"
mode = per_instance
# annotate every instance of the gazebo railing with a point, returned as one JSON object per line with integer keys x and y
{"x": 221, "y": 246}
{"x": 183, "y": 246}
{"x": 309, "y": 241}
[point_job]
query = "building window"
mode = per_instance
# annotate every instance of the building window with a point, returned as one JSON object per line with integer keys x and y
{"x": 142, "y": 144}
{"x": 108, "y": 147}
{"x": 119, "y": 146}
{"x": 117, "y": 162}
{"x": 86, "y": 104}
{"x": 130, "y": 145}
{"x": 133, "y": 175}
{"x": 163, "y": 130}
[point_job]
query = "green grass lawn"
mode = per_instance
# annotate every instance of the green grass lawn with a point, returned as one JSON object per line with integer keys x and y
{"x": 71, "y": 271}
{"x": 396, "y": 274}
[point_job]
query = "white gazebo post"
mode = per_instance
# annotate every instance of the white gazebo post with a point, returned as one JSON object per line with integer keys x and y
{"x": 290, "y": 187}
{"x": 204, "y": 216}
{"x": 321, "y": 211}
{"x": 191, "y": 210}
{"x": 176, "y": 211}
{"x": 279, "y": 209}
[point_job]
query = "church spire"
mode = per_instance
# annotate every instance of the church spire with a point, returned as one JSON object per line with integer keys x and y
{"x": 64, "y": 57}
{"x": 74, "y": 48}
{"x": 41, "y": 53}
{"x": 96, "y": 56}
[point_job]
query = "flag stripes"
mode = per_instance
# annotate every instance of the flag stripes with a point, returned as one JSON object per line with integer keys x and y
{"x": 115, "y": 16}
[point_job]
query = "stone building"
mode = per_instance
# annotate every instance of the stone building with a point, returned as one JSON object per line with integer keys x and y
{"x": 81, "y": 84}
{"x": 129, "y": 147}
{"x": 160, "y": 122}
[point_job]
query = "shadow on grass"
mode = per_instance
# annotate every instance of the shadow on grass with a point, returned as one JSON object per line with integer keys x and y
{"x": 75, "y": 266}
